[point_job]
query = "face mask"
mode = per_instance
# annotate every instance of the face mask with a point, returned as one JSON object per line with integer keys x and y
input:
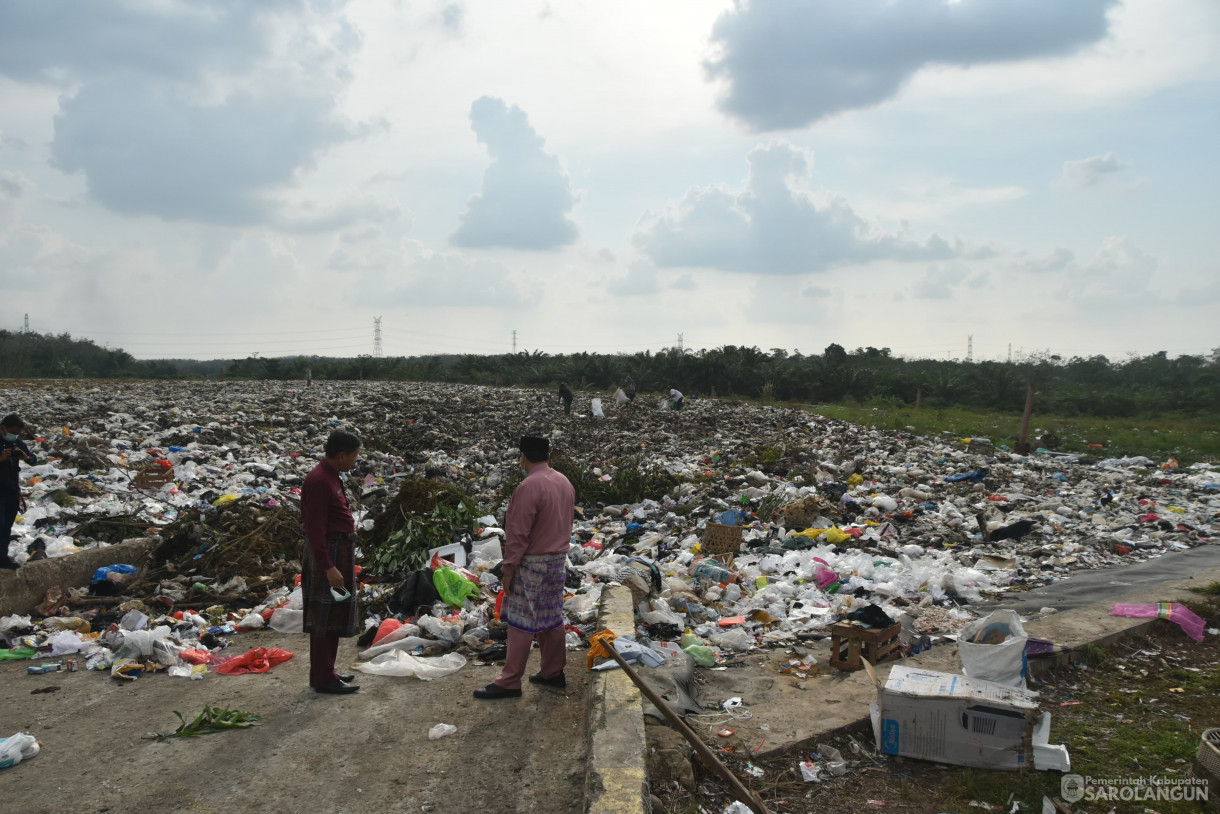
{"x": 8, "y": 436}
{"x": 524, "y": 471}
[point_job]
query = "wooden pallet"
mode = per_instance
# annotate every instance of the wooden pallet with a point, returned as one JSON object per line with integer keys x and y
{"x": 850, "y": 643}
{"x": 152, "y": 477}
{"x": 721, "y": 541}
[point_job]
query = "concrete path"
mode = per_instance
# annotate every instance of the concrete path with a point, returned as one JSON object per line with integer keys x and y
{"x": 1086, "y": 587}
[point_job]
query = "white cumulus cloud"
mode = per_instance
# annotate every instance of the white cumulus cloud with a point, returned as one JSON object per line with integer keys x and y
{"x": 526, "y": 195}
{"x": 1089, "y": 172}
{"x": 772, "y": 225}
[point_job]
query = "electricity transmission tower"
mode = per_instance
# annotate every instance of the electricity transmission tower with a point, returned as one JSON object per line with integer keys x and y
{"x": 376, "y": 337}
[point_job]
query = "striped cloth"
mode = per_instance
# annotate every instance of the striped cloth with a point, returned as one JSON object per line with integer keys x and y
{"x": 535, "y": 603}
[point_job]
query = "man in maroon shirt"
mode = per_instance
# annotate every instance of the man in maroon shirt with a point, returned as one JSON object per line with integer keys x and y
{"x": 328, "y": 563}
{"x": 538, "y": 531}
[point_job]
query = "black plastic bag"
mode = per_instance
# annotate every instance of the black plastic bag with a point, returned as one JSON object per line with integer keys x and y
{"x": 416, "y": 591}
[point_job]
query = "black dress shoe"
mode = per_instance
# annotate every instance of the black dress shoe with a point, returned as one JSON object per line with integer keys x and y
{"x": 494, "y": 690}
{"x": 557, "y": 681}
{"x": 336, "y": 688}
{"x": 346, "y": 677}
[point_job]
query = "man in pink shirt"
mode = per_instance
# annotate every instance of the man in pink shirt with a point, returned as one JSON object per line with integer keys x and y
{"x": 538, "y": 531}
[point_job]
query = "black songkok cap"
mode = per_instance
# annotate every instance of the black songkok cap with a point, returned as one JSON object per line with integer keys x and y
{"x": 535, "y": 447}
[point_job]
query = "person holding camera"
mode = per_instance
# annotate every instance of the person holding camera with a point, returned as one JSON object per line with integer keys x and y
{"x": 12, "y": 452}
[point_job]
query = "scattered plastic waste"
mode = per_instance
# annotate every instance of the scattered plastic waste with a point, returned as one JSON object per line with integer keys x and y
{"x": 16, "y": 748}
{"x": 255, "y": 660}
{"x": 833, "y": 758}
{"x": 398, "y": 663}
{"x": 1187, "y": 619}
{"x": 826, "y": 518}
{"x": 441, "y": 730}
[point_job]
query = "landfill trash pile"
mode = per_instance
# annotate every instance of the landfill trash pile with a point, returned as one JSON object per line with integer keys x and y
{"x": 828, "y": 520}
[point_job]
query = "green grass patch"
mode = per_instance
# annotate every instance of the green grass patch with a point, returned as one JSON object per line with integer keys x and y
{"x": 1187, "y": 439}
{"x": 1208, "y": 590}
{"x": 1092, "y": 655}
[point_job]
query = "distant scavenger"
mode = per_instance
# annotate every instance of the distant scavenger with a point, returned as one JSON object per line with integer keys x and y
{"x": 675, "y": 400}
{"x": 565, "y": 395}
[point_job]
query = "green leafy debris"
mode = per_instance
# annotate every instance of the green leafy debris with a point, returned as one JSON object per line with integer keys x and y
{"x": 211, "y": 719}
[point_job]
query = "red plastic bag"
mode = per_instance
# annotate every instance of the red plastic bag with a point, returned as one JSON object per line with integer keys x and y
{"x": 385, "y": 629}
{"x": 195, "y": 656}
{"x": 256, "y": 660}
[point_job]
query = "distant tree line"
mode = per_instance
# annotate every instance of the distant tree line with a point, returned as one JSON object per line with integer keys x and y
{"x": 1095, "y": 385}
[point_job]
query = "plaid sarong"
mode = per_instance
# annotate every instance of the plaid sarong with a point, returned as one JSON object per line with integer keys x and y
{"x": 323, "y": 615}
{"x": 535, "y": 603}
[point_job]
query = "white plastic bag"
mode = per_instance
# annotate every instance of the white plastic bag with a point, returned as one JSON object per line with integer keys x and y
{"x": 251, "y": 621}
{"x": 398, "y": 663}
{"x": 732, "y": 639}
{"x": 441, "y": 730}
{"x": 296, "y": 601}
{"x": 14, "y": 622}
{"x": 287, "y": 619}
{"x": 17, "y": 748}
{"x": 596, "y": 407}
{"x": 68, "y": 641}
{"x": 406, "y": 644}
{"x": 487, "y": 551}
{"x": 445, "y": 631}
{"x": 1003, "y": 662}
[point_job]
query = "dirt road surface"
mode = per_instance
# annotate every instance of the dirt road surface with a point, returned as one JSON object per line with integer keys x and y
{"x": 321, "y": 754}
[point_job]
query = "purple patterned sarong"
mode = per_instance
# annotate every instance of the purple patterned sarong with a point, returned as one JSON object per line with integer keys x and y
{"x": 535, "y": 603}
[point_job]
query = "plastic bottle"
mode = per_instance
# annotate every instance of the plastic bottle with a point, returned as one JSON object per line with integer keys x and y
{"x": 711, "y": 570}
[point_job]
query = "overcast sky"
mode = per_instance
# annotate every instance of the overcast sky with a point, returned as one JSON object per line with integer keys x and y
{"x": 185, "y": 178}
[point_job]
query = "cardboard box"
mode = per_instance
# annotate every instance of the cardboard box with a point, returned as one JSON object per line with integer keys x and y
{"x": 962, "y": 721}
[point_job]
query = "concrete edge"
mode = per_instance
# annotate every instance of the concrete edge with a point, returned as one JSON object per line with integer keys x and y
{"x": 22, "y": 590}
{"x": 616, "y": 775}
{"x": 1091, "y": 624}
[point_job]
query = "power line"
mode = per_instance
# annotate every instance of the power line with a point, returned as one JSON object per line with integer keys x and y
{"x": 227, "y": 333}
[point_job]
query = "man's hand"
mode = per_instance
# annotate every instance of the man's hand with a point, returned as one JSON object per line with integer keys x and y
{"x": 6, "y": 454}
{"x": 507, "y": 581}
{"x": 335, "y": 578}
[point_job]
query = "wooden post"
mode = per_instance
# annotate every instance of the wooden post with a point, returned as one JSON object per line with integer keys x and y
{"x": 1022, "y": 442}
{"x": 918, "y": 397}
{"x": 709, "y": 757}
